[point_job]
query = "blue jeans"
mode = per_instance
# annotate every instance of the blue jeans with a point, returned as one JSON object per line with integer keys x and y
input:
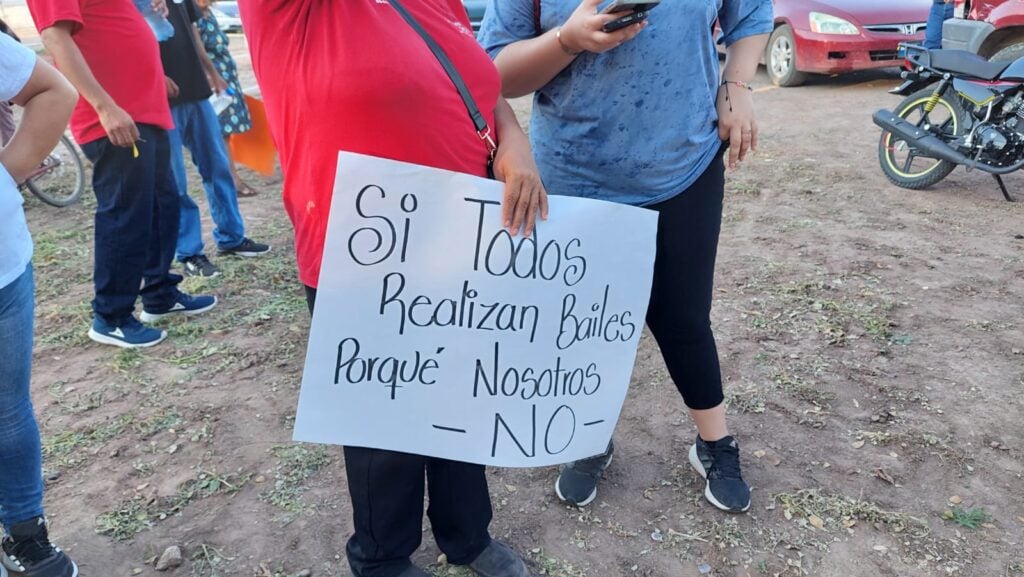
{"x": 940, "y": 13}
{"x": 136, "y": 225}
{"x": 197, "y": 128}
{"x": 21, "y": 457}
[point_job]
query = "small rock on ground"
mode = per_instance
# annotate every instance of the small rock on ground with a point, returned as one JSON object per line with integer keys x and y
{"x": 170, "y": 559}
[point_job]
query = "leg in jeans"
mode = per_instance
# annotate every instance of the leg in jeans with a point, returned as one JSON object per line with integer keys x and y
{"x": 679, "y": 314}
{"x": 190, "y": 228}
{"x": 940, "y": 12}
{"x": 21, "y": 482}
{"x": 159, "y": 289}
{"x": 124, "y": 187}
{"x": 460, "y": 508}
{"x": 210, "y": 156}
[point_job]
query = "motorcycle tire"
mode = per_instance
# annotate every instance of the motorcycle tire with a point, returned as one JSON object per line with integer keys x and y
{"x": 902, "y": 174}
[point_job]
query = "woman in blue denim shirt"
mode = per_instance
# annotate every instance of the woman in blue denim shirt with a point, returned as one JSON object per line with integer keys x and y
{"x": 642, "y": 116}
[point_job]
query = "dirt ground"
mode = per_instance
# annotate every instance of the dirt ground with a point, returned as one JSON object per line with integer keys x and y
{"x": 872, "y": 339}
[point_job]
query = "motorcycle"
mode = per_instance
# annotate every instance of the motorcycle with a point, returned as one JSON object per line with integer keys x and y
{"x": 960, "y": 110}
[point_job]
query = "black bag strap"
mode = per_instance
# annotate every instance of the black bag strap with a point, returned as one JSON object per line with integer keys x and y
{"x": 479, "y": 122}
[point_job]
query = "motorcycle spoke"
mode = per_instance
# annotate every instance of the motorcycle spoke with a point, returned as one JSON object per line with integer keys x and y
{"x": 945, "y": 125}
{"x": 910, "y": 160}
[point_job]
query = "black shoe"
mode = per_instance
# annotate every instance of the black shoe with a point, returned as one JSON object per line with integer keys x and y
{"x": 249, "y": 247}
{"x": 719, "y": 463}
{"x": 27, "y": 552}
{"x": 499, "y": 560}
{"x": 199, "y": 265}
{"x": 577, "y": 483}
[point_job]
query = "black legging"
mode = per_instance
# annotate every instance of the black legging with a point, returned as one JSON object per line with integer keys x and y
{"x": 387, "y": 490}
{"x": 679, "y": 314}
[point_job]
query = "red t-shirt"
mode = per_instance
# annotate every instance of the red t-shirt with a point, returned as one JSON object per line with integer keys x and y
{"x": 353, "y": 76}
{"x": 122, "y": 53}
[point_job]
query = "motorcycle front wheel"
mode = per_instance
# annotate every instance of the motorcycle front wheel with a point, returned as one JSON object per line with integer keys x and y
{"x": 903, "y": 164}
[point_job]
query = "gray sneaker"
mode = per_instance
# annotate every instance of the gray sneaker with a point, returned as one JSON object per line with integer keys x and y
{"x": 199, "y": 266}
{"x": 499, "y": 560}
{"x": 577, "y": 483}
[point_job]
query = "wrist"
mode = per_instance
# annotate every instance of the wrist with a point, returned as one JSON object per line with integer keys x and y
{"x": 104, "y": 106}
{"x": 738, "y": 84}
{"x": 565, "y": 43}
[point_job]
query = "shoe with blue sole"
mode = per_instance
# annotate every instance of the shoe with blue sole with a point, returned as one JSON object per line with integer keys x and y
{"x": 130, "y": 334}
{"x": 184, "y": 304}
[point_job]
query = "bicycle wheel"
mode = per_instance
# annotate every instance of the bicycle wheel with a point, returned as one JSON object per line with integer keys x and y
{"x": 60, "y": 180}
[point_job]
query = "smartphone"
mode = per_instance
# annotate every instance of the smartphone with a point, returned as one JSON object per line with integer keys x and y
{"x": 636, "y": 13}
{"x": 630, "y": 6}
{"x": 627, "y": 20}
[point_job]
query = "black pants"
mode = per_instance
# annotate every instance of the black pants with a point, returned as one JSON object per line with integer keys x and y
{"x": 679, "y": 314}
{"x": 137, "y": 211}
{"x": 387, "y": 502}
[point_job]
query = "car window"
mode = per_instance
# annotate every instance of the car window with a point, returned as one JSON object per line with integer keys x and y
{"x": 228, "y": 8}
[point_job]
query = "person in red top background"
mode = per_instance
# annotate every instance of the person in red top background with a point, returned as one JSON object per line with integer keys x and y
{"x": 354, "y": 76}
{"x": 110, "y": 55}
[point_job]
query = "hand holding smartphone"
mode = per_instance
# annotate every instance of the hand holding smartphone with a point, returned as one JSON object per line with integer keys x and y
{"x": 635, "y": 11}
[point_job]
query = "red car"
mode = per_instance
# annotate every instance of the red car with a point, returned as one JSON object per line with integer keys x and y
{"x": 992, "y": 28}
{"x": 832, "y": 36}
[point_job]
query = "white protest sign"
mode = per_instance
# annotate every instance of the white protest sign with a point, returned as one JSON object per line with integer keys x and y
{"x": 438, "y": 333}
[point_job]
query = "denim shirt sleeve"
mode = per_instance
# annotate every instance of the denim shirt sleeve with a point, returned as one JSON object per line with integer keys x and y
{"x": 742, "y": 18}
{"x": 505, "y": 22}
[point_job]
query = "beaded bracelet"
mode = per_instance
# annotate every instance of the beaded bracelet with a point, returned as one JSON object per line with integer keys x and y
{"x": 738, "y": 83}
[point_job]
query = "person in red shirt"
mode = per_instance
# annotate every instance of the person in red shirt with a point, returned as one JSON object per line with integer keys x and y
{"x": 330, "y": 83}
{"x": 110, "y": 55}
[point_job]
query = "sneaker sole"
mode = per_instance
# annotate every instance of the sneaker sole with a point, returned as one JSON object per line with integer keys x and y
{"x": 699, "y": 467}
{"x": 200, "y": 275}
{"x": 104, "y": 339}
{"x": 593, "y": 494}
{"x": 246, "y": 254}
{"x": 153, "y": 317}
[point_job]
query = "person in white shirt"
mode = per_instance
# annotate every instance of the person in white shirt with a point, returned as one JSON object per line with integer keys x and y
{"x": 47, "y": 99}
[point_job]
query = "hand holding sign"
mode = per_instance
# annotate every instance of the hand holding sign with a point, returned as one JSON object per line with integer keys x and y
{"x": 438, "y": 332}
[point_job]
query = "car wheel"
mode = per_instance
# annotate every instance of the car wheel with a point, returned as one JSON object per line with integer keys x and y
{"x": 780, "y": 58}
{"x": 1009, "y": 53}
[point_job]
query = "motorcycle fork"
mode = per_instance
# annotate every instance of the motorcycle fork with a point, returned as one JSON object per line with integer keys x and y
{"x": 937, "y": 95}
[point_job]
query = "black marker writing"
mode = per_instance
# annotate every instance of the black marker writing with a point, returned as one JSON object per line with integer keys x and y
{"x": 466, "y": 311}
{"x": 376, "y": 242}
{"x": 558, "y": 434}
{"x": 501, "y": 254}
{"x": 388, "y": 371}
{"x": 529, "y": 383}
{"x": 575, "y": 327}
